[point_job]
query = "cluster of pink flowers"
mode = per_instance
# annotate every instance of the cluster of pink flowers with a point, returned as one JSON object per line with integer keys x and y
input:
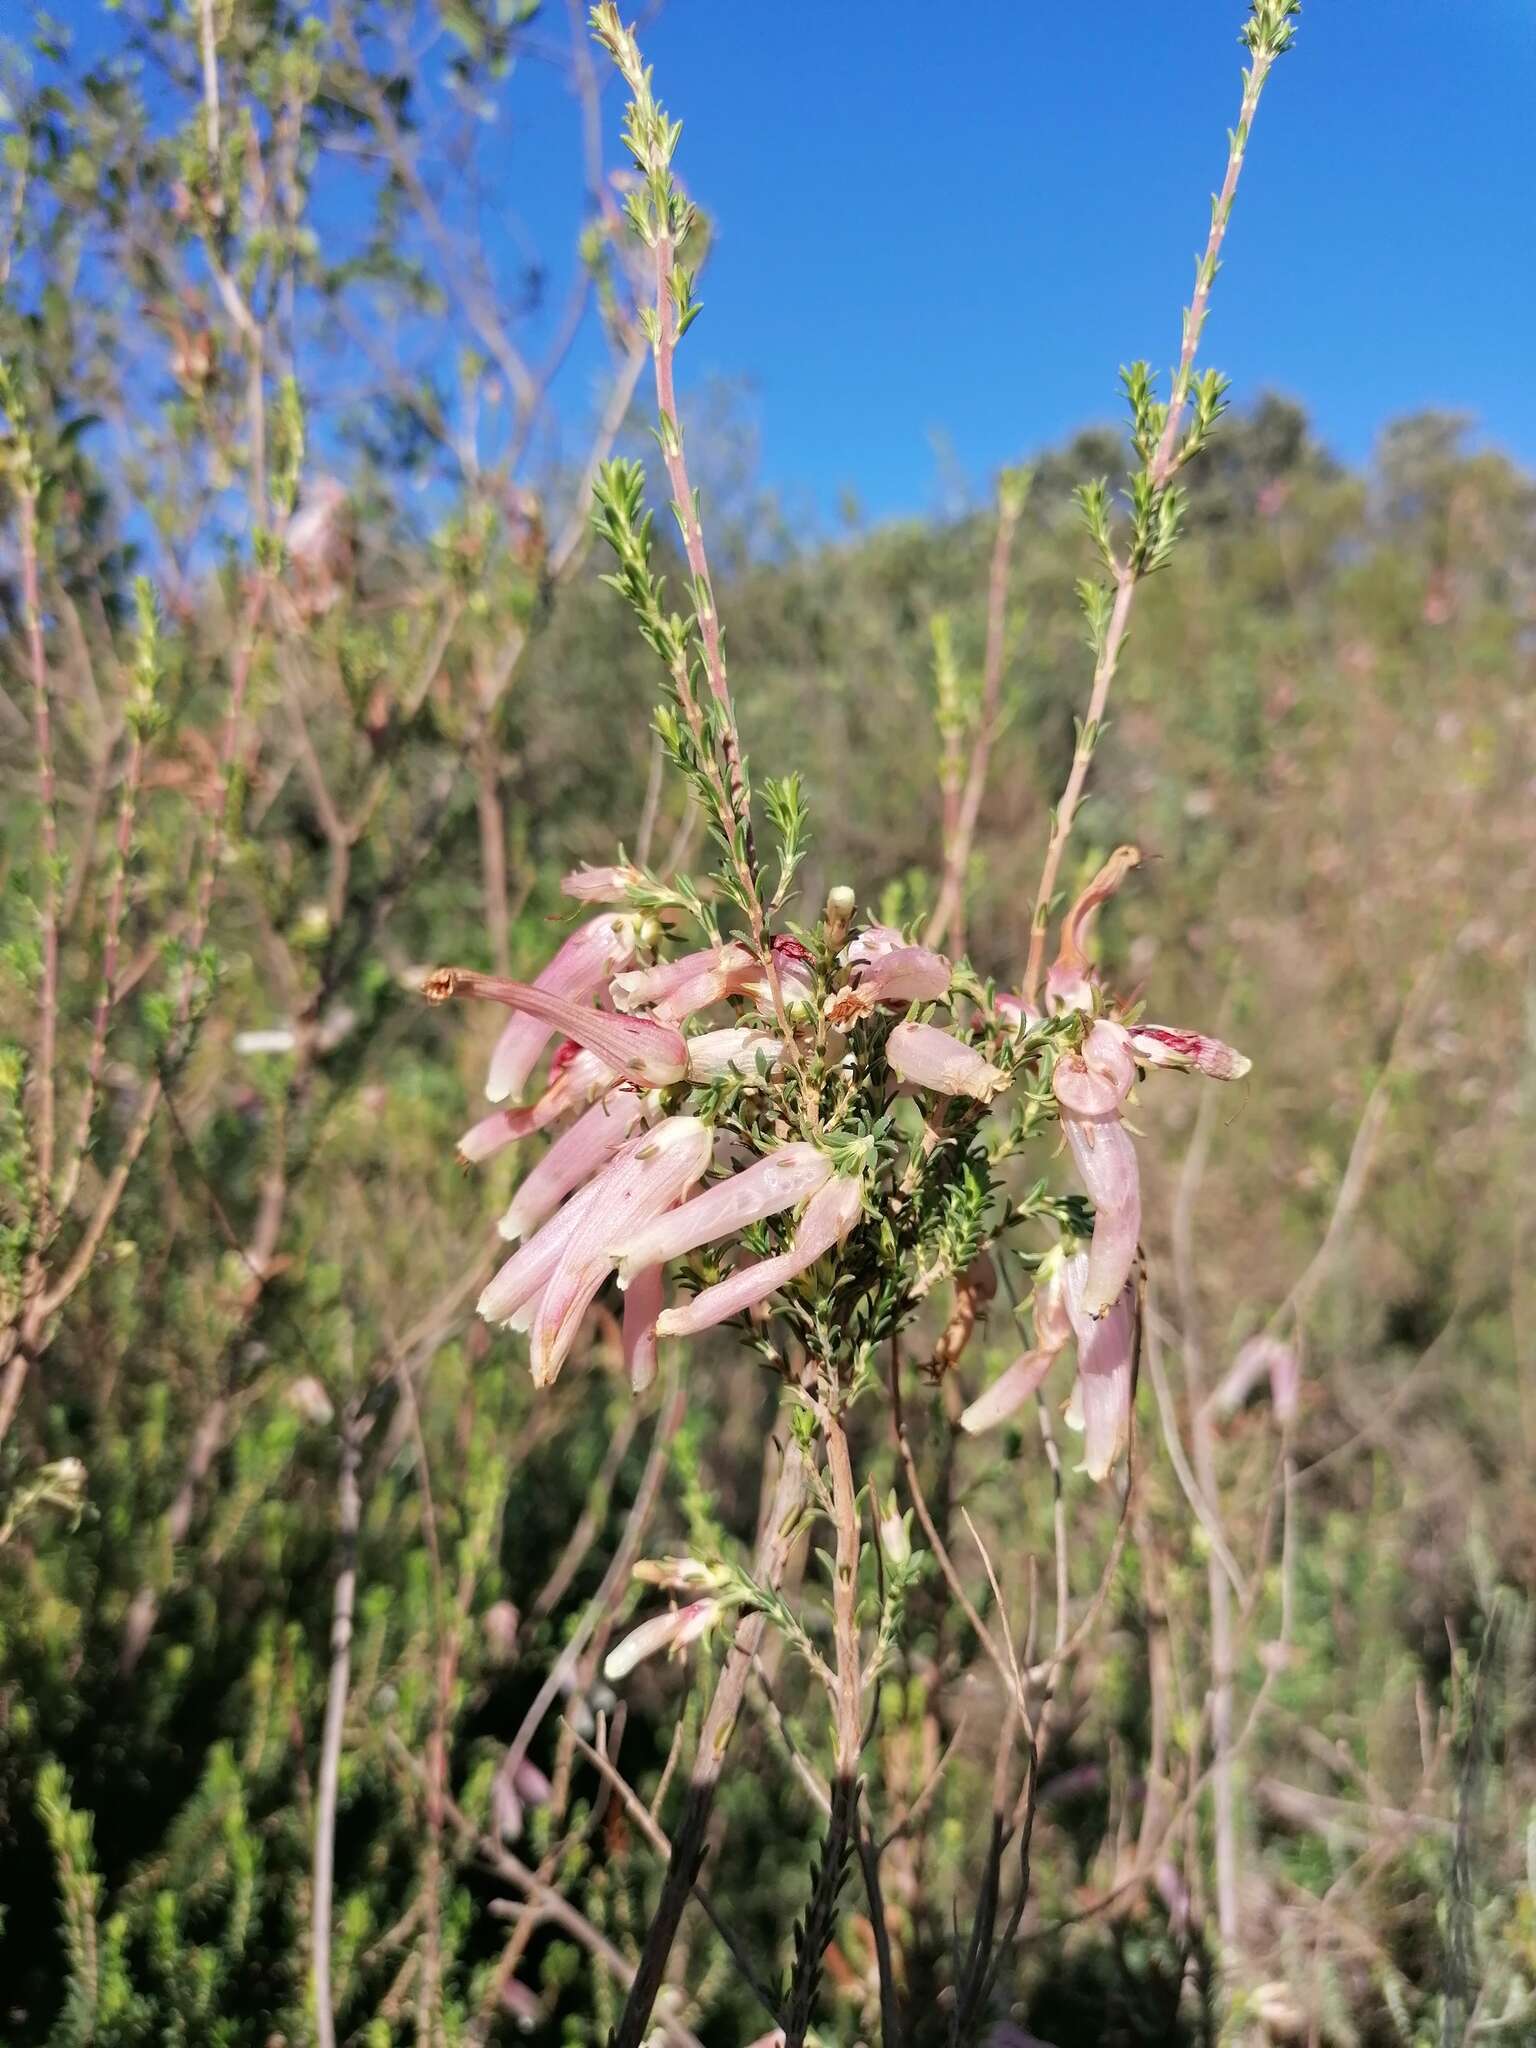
{"x": 634, "y": 1181}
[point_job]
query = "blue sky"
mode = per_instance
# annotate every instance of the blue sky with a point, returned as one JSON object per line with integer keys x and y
{"x": 957, "y": 221}
{"x": 944, "y": 228}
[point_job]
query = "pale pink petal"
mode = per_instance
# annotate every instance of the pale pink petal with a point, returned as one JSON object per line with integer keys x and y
{"x": 578, "y": 970}
{"x": 1106, "y": 1161}
{"x": 644, "y": 1180}
{"x": 786, "y": 1176}
{"x": 600, "y": 885}
{"x": 573, "y": 1158}
{"x": 737, "y": 1048}
{"x": 1156, "y": 1046}
{"x": 930, "y": 1058}
{"x": 829, "y": 1216}
{"x": 905, "y": 974}
{"x": 1008, "y": 1392}
{"x": 642, "y": 1305}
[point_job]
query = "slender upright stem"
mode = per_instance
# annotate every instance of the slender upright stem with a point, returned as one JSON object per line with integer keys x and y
{"x": 688, "y": 1838}
{"x": 1166, "y": 461}
{"x": 44, "y": 1130}
{"x": 348, "y": 1518}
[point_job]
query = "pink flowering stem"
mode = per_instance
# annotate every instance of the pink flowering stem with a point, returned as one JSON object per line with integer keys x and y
{"x": 927, "y": 1057}
{"x": 642, "y": 1305}
{"x": 644, "y": 1180}
{"x": 577, "y": 972}
{"x": 829, "y": 1216}
{"x": 786, "y": 1176}
{"x": 572, "y": 1159}
{"x": 650, "y": 1055}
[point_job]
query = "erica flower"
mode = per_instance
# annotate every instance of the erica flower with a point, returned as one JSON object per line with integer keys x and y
{"x": 1106, "y": 1360}
{"x": 793, "y": 970}
{"x": 574, "y": 1157}
{"x": 1156, "y": 1046}
{"x": 577, "y": 972}
{"x": 600, "y": 885}
{"x": 672, "y": 1632}
{"x": 649, "y": 1054}
{"x": 899, "y": 974}
{"x": 931, "y": 1058}
{"x": 829, "y": 1216}
{"x": 1013, "y": 1387}
{"x": 1069, "y": 984}
{"x": 736, "y": 1049}
{"x": 645, "y": 1179}
{"x": 778, "y": 1181}
{"x": 677, "y": 988}
{"x": 1090, "y": 1087}
{"x": 642, "y": 1305}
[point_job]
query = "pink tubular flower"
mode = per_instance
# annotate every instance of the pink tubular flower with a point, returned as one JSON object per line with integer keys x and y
{"x": 829, "y": 1216}
{"x": 510, "y": 1295}
{"x": 642, "y": 1305}
{"x": 1090, "y": 1086}
{"x": 869, "y": 944}
{"x": 1259, "y": 1358}
{"x": 645, "y": 1179}
{"x": 1013, "y": 1387}
{"x": 736, "y": 1048}
{"x": 677, "y": 988}
{"x": 600, "y": 885}
{"x": 931, "y": 1058}
{"x": 1106, "y": 1360}
{"x": 578, "y": 971}
{"x": 487, "y": 1137}
{"x": 1069, "y": 984}
{"x": 793, "y": 967}
{"x": 573, "y": 1158}
{"x": 905, "y": 974}
{"x": 672, "y": 1632}
{"x": 780, "y": 1180}
{"x": 1008, "y": 1392}
{"x": 651, "y": 1055}
{"x": 1156, "y": 1046}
